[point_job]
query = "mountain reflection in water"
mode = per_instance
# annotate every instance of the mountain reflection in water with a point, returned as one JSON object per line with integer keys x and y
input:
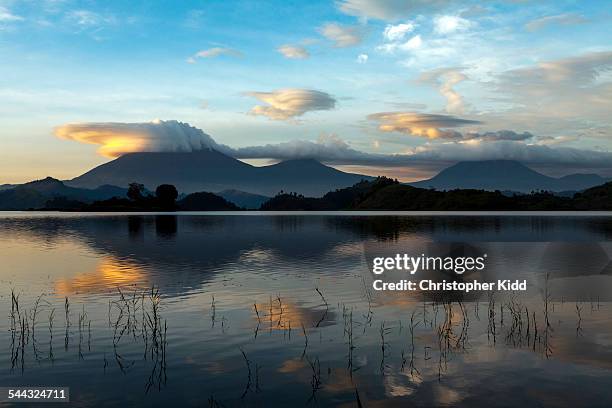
{"x": 273, "y": 310}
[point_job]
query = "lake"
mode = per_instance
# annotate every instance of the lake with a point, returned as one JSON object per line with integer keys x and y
{"x": 277, "y": 310}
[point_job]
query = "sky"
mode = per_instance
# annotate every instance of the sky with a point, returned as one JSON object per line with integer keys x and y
{"x": 401, "y": 88}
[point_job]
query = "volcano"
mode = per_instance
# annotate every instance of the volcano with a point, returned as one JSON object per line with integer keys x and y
{"x": 211, "y": 170}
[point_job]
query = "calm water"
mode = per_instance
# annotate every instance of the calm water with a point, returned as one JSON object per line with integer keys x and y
{"x": 277, "y": 310}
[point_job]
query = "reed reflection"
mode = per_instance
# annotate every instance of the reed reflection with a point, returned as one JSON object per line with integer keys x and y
{"x": 277, "y": 311}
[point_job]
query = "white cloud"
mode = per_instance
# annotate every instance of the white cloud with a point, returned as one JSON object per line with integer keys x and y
{"x": 283, "y": 104}
{"x": 412, "y": 44}
{"x": 497, "y": 135}
{"x": 328, "y": 148}
{"x": 7, "y": 16}
{"x": 397, "y": 32}
{"x": 449, "y": 24}
{"x": 556, "y": 20}
{"x": 445, "y": 79}
{"x": 433, "y": 155}
{"x": 553, "y": 141}
{"x": 293, "y": 51}
{"x": 342, "y": 35}
{"x": 362, "y": 58}
{"x": 90, "y": 20}
{"x": 391, "y": 10}
{"x": 514, "y": 150}
{"x": 213, "y": 53}
{"x": 574, "y": 91}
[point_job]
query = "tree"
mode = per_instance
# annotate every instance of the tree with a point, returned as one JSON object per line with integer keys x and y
{"x": 166, "y": 194}
{"x": 135, "y": 191}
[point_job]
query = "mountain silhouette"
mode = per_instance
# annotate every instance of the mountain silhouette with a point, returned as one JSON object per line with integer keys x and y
{"x": 211, "y": 170}
{"x": 242, "y": 199}
{"x": 35, "y": 194}
{"x": 505, "y": 175}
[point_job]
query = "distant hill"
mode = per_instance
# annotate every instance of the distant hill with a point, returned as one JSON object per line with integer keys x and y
{"x": 35, "y": 194}
{"x": 340, "y": 199}
{"x": 599, "y": 197}
{"x": 506, "y": 175}
{"x": 386, "y": 194}
{"x": 210, "y": 170}
{"x": 205, "y": 202}
{"x": 21, "y": 199}
{"x": 202, "y": 201}
{"x": 243, "y": 199}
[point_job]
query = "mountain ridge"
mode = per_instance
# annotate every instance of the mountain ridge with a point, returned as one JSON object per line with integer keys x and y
{"x": 243, "y": 199}
{"x": 211, "y": 170}
{"x": 505, "y": 175}
{"x": 383, "y": 194}
{"x": 36, "y": 193}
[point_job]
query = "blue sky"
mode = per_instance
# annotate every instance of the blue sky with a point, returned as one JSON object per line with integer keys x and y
{"x": 392, "y": 87}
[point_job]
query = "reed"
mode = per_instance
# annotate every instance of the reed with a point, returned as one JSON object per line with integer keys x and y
{"x": 384, "y": 345}
{"x": 579, "y": 322}
{"x": 322, "y": 297}
{"x": 315, "y": 379}
{"x": 247, "y": 388}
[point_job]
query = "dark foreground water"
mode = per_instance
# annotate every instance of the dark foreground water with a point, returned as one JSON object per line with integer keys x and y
{"x": 227, "y": 310}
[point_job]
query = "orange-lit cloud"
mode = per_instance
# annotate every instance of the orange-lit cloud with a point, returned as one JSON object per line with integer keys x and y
{"x": 116, "y": 139}
{"x": 286, "y": 314}
{"x": 291, "y": 366}
{"x": 108, "y": 275}
{"x": 431, "y": 126}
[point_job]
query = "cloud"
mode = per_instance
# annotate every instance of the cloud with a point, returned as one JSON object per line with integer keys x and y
{"x": 397, "y": 32}
{"x": 335, "y": 151}
{"x": 432, "y": 126}
{"x": 293, "y": 51}
{"x": 512, "y": 150}
{"x": 445, "y": 79}
{"x": 7, "y": 16}
{"x": 342, "y": 35}
{"x": 116, "y": 139}
{"x": 391, "y": 10}
{"x": 574, "y": 91}
{"x": 566, "y": 71}
{"x": 497, "y": 136}
{"x": 86, "y": 20}
{"x": 449, "y": 24}
{"x": 362, "y": 58}
{"x": 213, "y": 53}
{"x": 329, "y": 148}
{"x": 283, "y": 104}
{"x": 412, "y": 44}
{"x": 436, "y": 126}
{"x": 553, "y": 141}
{"x": 556, "y": 20}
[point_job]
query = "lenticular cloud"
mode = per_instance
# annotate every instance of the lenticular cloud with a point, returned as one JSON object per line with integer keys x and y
{"x": 116, "y": 139}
